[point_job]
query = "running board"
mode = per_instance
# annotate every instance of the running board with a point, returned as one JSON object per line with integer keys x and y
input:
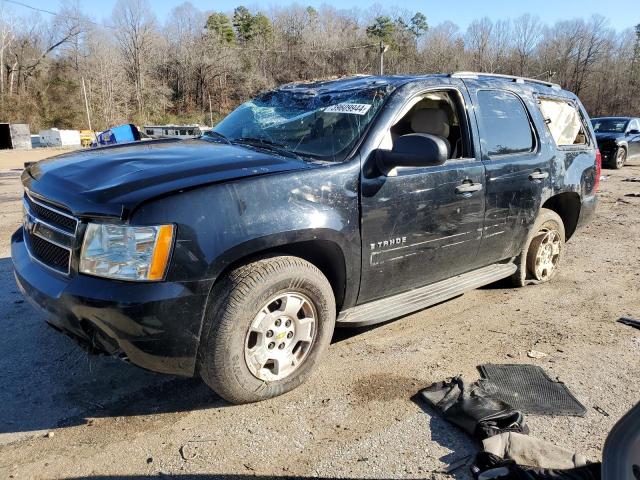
{"x": 408, "y": 302}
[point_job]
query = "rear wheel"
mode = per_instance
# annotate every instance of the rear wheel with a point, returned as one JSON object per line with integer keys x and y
{"x": 269, "y": 324}
{"x": 540, "y": 259}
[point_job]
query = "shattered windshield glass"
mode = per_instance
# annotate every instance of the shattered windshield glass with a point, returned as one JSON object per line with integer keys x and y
{"x": 304, "y": 122}
{"x": 609, "y": 125}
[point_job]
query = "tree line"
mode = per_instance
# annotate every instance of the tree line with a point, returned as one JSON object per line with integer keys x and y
{"x": 197, "y": 66}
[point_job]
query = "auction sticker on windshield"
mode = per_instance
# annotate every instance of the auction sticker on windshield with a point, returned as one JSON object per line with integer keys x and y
{"x": 355, "y": 108}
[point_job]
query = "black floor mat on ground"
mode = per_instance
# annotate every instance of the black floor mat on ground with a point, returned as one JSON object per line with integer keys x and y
{"x": 528, "y": 388}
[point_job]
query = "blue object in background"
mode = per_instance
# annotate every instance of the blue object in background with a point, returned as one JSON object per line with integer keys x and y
{"x": 120, "y": 134}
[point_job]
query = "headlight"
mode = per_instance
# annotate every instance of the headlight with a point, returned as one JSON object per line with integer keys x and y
{"x": 126, "y": 253}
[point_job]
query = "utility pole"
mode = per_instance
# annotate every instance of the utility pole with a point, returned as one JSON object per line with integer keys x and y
{"x": 383, "y": 48}
{"x": 210, "y": 111}
{"x": 634, "y": 70}
{"x": 86, "y": 104}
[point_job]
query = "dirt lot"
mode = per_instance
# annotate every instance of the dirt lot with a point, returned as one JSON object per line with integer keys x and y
{"x": 355, "y": 418}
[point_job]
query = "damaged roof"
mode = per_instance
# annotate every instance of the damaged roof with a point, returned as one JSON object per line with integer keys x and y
{"x": 357, "y": 82}
{"x": 360, "y": 82}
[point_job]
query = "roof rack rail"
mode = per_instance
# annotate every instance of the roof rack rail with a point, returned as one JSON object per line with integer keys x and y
{"x": 513, "y": 78}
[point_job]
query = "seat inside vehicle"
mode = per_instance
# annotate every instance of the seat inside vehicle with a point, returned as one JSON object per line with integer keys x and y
{"x": 434, "y": 113}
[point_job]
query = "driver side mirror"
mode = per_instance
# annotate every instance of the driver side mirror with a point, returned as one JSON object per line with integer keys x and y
{"x": 414, "y": 150}
{"x": 633, "y": 131}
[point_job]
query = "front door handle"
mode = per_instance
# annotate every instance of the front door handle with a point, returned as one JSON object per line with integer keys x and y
{"x": 538, "y": 175}
{"x": 468, "y": 187}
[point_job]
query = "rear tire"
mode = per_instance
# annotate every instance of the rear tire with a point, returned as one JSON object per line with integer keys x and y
{"x": 269, "y": 324}
{"x": 543, "y": 251}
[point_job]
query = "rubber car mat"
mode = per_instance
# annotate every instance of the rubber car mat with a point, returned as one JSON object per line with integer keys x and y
{"x": 529, "y": 389}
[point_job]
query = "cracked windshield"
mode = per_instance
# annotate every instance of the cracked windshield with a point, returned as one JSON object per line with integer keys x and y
{"x": 322, "y": 126}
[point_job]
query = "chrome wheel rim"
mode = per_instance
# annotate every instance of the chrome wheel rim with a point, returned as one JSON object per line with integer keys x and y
{"x": 620, "y": 157}
{"x": 280, "y": 336}
{"x": 547, "y": 255}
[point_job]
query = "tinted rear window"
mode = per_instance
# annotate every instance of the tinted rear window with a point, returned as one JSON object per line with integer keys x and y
{"x": 504, "y": 123}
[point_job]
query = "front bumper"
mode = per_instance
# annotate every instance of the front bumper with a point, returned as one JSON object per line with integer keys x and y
{"x": 608, "y": 152}
{"x": 154, "y": 325}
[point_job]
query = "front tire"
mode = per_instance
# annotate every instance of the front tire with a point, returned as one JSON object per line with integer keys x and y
{"x": 543, "y": 251}
{"x": 620, "y": 159}
{"x": 269, "y": 324}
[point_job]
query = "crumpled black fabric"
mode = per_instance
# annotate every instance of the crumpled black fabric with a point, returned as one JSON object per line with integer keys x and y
{"x": 488, "y": 466}
{"x": 471, "y": 408}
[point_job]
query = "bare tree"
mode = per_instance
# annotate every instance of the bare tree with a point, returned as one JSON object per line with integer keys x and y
{"x": 6, "y": 37}
{"x": 527, "y": 32}
{"x": 443, "y": 49}
{"x": 478, "y": 43}
{"x": 135, "y": 27}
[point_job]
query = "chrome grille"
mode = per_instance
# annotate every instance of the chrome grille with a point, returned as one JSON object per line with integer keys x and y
{"x": 52, "y": 215}
{"x": 49, "y": 254}
{"x": 50, "y": 234}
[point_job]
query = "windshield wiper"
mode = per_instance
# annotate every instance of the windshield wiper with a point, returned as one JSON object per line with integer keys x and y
{"x": 268, "y": 145}
{"x": 213, "y": 133}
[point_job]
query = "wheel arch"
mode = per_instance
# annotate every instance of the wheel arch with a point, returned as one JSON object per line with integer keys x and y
{"x": 567, "y": 206}
{"x": 326, "y": 254}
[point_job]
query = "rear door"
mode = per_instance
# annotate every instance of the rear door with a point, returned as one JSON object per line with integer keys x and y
{"x": 517, "y": 167}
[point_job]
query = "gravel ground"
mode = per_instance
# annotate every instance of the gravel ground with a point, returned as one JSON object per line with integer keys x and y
{"x": 355, "y": 418}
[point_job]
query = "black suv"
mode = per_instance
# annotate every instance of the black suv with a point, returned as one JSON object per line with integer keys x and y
{"x": 353, "y": 201}
{"x": 618, "y": 139}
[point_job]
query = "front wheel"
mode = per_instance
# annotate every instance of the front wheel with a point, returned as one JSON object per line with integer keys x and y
{"x": 541, "y": 257}
{"x": 620, "y": 158}
{"x": 270, "y": 322}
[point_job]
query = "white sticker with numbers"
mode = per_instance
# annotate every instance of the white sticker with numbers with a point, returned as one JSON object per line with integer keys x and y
{"x": 355, "y": 108}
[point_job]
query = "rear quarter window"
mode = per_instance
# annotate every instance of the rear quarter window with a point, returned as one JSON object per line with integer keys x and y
{"x": 564, "y": 121}
{"x": 505, "y": 128}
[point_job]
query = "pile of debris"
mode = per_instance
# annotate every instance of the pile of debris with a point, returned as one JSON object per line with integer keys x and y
{"x": 492, "y": 409}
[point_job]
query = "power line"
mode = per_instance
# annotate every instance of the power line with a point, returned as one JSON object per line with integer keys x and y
{"x": 55, "y": 14}
{"x": 30, "y": 7}
{"x": 235, "y": 47}
{"x": 294, "y": 50}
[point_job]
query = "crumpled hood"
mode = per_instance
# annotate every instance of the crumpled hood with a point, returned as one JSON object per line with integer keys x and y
{"x": 113, "y": 181}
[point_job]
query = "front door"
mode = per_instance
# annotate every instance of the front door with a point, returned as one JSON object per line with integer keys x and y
{"x": 423, "y": 224}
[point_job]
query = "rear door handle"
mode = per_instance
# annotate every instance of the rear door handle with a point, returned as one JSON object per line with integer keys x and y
{"x": 538, "y": 175}
{"x": 468, "y": 187}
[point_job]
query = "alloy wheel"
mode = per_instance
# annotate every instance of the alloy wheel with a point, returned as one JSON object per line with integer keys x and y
{"x": 280, "y": 336}
{"x": 547, "y": 246}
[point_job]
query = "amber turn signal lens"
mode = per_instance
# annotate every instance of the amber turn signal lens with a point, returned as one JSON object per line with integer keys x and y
{"x": 161, "y": 253}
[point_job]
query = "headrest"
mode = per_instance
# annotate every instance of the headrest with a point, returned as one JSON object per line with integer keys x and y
{"x": 432, "y": 121}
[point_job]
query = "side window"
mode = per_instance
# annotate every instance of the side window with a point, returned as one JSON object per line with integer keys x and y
{"x": 564, "y": 122}
{"x": 504, "y": 123}
{"x": 635, "y": 125}
{"x": 436, "y": 113}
